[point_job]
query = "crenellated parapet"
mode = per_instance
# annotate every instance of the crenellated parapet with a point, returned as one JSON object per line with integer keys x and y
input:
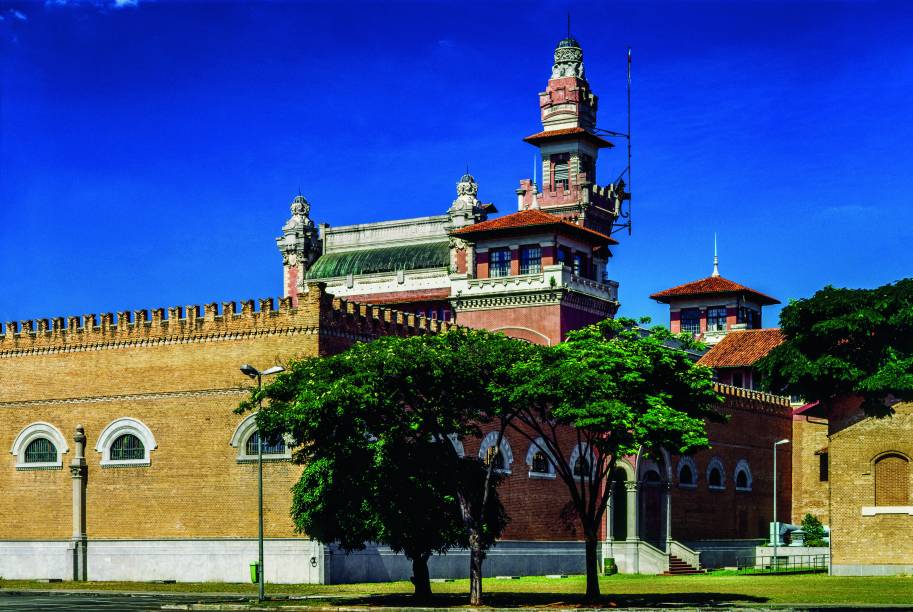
{"x": 755, "y": 401}
{"x": 316, "y": 312}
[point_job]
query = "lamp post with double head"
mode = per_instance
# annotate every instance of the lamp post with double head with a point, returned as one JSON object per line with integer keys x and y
{"x": 776, "y": 530}
{"x": 253, "y": 372}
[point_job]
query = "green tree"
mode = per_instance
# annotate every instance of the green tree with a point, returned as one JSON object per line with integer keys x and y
{"x": 616, "y": 388}
{"x": 813, "y": 530}
{"x": 846, "y": 342}
{"x": 374, "y": 423}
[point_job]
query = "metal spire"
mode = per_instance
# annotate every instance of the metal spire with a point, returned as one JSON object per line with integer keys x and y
{"x": 716, "y": 260}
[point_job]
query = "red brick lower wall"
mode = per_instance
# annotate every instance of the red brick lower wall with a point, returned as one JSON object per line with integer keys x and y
{"x": 538, "y": 324}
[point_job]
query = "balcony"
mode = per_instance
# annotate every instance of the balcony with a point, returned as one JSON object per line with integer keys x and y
{"x": 552, "y": 277}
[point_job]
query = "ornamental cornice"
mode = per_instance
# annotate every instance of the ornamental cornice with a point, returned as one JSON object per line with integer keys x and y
{"x": 221, "y": 337}
{"x": 507, "y": 300}
{"x": 227, "y": 391}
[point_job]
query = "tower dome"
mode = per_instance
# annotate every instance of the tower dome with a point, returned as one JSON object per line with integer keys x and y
{"x": 568, "y": 59}
{"x": 467, "y": 186}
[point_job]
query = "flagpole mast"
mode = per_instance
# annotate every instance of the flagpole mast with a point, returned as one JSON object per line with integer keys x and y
{"x": 630, "y": 219}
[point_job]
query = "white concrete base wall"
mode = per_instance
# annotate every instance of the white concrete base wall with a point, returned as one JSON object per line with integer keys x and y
{"x": 286, "y": 560}
{"x": 27, "y": 560}
{"x": 871, "y": 570}
{"x": 635, "y": 557}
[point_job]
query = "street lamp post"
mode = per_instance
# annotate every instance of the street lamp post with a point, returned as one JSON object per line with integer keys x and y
{"x": 776, "y": 534}
{"x": 253, "y": 372}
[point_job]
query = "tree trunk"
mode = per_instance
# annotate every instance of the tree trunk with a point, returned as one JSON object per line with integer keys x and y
{"x": 592, "y": 571}
{"x": 421, "y": 578}
{"x": 476, "y": 556}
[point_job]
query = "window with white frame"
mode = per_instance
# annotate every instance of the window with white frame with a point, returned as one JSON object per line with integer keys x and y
{"x": 498, "y": 262}
{"x": 581, "y": 461}
{"x": 125, "y": 442}
{"x": 530, "y": 259}
{"x": 690, "y": 320}
{"x": 716, "y": 474}
{"x": 246, "y": 438}
{"x": 502, "y": 456}
{"x": 742, "y": 476}
{"x": 716, "y": 318}
{"x": 39, "y": 446}
{"x": 687, "y": 473}
{"x": 540, "y": 460}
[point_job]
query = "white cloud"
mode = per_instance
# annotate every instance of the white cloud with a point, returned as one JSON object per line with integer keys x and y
{"x": 101, "y": 4}
{"x": 18, "y": 15}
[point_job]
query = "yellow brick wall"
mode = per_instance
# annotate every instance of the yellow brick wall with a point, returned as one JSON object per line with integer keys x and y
{"x": 810, "y": 494}
{"x": 858, "y": 539}
{"x": 181, "y": 379}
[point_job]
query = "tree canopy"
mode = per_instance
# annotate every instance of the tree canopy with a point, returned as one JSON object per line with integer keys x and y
{"x": 846, "y": 342}
{"x": 374, "y": 426}
{"x": 617, "y": 387}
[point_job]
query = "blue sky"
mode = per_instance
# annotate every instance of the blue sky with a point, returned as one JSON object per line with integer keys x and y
{"x": 149, "y": 150}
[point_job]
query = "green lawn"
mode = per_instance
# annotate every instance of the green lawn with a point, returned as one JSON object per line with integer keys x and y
{"x": 620, "y": 590}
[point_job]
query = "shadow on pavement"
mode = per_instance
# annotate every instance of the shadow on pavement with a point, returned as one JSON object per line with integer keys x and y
{"x": 563, "y": 600}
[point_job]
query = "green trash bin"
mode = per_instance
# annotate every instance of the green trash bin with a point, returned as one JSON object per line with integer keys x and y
{"x": 255, "y": 572}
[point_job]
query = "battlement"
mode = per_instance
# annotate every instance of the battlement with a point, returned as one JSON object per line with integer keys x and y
{"x": 749, "y": 399}
{"x": 316, "y": 311}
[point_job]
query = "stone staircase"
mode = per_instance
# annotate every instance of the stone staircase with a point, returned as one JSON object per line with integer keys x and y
{"x": 677, "y": 567}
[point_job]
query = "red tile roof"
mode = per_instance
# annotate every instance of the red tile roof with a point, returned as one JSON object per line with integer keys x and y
{"x": 552, "y": 134}
{"x": 741, "y": 348}
{"x": 710, "y": 286}
{"x": 531, "y": 218}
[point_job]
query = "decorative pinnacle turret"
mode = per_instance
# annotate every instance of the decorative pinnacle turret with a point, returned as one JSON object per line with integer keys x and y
{"x": 568, "y": 59}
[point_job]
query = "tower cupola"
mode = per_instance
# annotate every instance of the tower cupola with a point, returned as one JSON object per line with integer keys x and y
{"x": 569, "y": 146}
{"x": 467, "y": 208}
{"x": 299, "y": 246}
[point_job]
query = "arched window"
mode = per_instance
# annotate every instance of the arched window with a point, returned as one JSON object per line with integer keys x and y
{"x": 271, "y": 446}
{"x": 687, "y": 473}
{"x": 716, "y": 478}
{"x": 503, "y": 457}
{"x": 742, "y": 476}
{"x": 892, "y": 480}
{"x": 581, "y": 461}
{"x": 40, "y": 446}
{"x": 581, "y": 466}
{"x": 539, "y": 460}
{"x": 127, "y": 447}
{"x": 652, "y": 477}
{"x": 40, "y": 450}
{"x": 493, "y": 456}
{"x": 125, "y": 442}
{"x": 246, "y": 439}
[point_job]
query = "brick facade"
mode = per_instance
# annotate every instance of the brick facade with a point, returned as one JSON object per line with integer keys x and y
{"x": 871, "y": 509}
{"x": 811, "y": 468}
{"x": 179, "y": 376}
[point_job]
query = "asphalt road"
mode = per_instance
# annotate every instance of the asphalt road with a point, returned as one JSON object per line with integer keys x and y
{"x": 89, "y": 601}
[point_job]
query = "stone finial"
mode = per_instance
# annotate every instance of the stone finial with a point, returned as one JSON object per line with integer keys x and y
{"x": 299, "y": 244}
{"x": 80, "y": 435}
{"x": 568, "y": 59}
{"x": 466, "y": 208}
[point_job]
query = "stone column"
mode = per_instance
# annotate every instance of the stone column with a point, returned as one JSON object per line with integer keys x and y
{"x": 631, "y": 488}
{"x": 79, "y": 472}
{"x": 610, "y": 514}
{"x": 632, "y": 544}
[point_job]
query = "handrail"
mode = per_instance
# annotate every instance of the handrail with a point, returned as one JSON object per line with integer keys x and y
{"x": 688, "y": 555}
